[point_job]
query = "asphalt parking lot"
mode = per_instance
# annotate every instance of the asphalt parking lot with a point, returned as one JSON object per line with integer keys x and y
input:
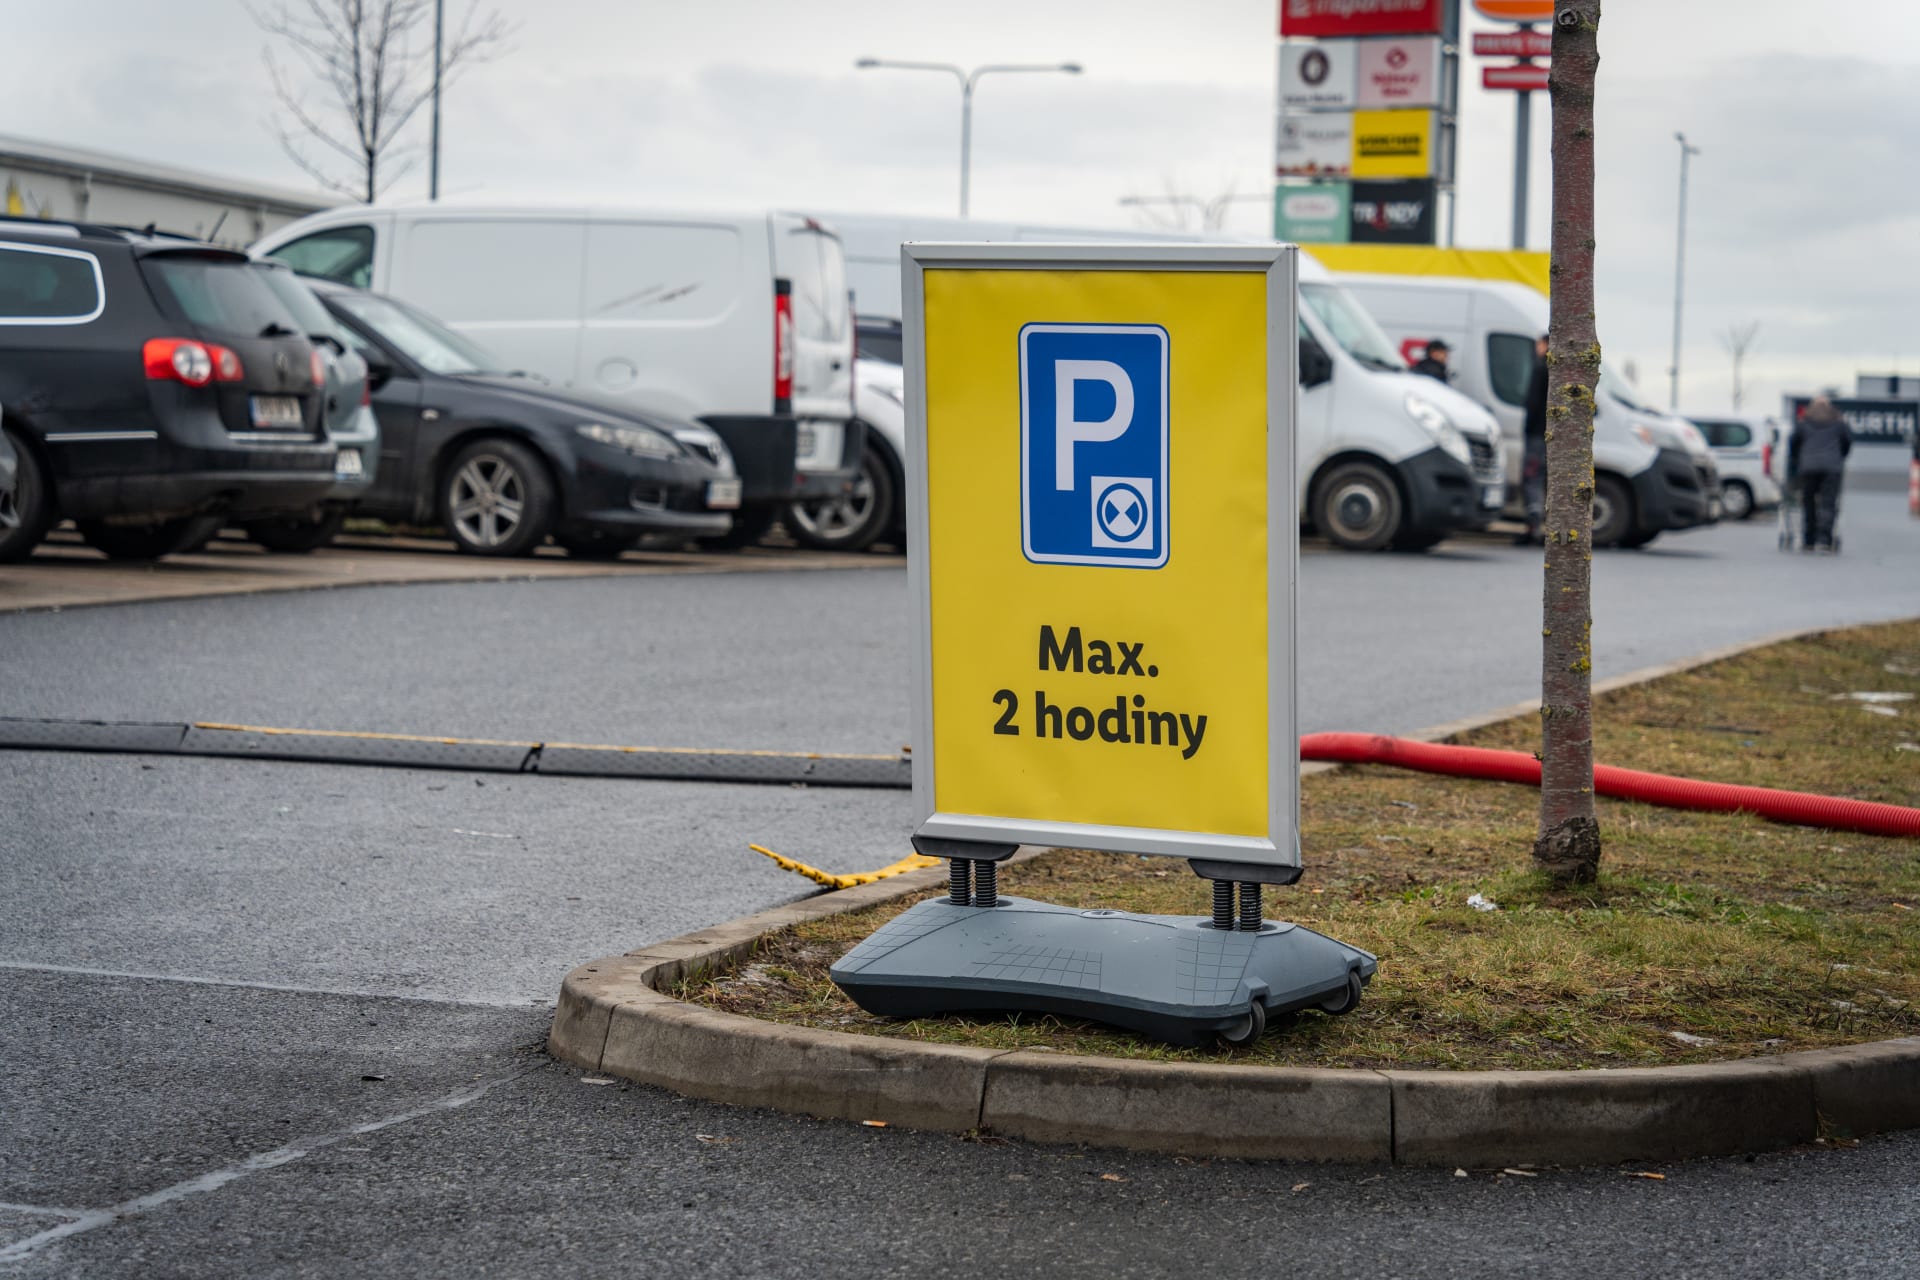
{"x": 284, "y": 1019}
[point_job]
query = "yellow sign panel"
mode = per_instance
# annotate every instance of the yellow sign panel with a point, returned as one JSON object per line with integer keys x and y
{"x": 1393, "y": 144}
{"x": 1103, "y": 555}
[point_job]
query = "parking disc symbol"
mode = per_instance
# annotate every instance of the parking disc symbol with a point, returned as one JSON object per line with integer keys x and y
{"x": 1122, "y": 511}
{"x": 1094, "y": 444}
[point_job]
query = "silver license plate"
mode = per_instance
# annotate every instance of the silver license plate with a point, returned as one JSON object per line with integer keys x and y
{"x": 276, "y": 412}
{"x": 346, "y": 464}
{"x": 723, "y": 495}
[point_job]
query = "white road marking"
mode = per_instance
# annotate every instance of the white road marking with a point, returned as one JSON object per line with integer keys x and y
{"x": 92, "y": 1219}
{"x": 44, "y": 1210}
{"x": 82, "y": 971}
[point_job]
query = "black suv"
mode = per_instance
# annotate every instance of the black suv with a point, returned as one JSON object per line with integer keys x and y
{"x": 148, "y": 380}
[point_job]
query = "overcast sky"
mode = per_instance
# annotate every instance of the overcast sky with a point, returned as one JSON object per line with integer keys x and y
{"x": 1804, "y": 206}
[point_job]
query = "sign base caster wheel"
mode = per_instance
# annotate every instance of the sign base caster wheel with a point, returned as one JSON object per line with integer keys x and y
{"x": 1247, "y": 1030}
{"x": 1347, "y": 1000}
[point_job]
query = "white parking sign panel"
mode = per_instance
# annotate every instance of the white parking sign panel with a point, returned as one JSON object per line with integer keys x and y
{"x": 1094, "y": 444}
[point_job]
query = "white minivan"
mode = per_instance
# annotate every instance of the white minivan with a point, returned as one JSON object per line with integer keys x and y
{"x": 1653, "y": 472}
{"x": 1386, "y": 458}
{"x": 740, "y": 321}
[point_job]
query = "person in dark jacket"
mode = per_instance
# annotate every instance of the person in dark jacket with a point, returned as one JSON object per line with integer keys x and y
{"x": 1816, "y": 456}
{"x": 1533, "y": 468}
{"x": 1434, "y": 362}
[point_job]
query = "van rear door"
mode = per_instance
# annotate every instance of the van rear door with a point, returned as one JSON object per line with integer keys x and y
{"x": 810, "y": 259}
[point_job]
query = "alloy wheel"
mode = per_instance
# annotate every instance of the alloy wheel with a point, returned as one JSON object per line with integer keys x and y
{"x": 487, "y": 501}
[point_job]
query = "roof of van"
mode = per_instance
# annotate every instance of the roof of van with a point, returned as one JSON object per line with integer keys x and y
{"x": 1519, "y": 293}
{"x": 533, "y": 208}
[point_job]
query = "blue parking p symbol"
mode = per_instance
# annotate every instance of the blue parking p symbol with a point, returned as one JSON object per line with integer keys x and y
{"x": 1093, "y": 442}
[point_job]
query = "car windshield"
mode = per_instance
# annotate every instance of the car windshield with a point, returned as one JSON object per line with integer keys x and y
{"x": 1352, "y": 327}
{"x": 878, "y": 344}
{"x": 418, "y": 336}
{"x": 1622, "y": 392}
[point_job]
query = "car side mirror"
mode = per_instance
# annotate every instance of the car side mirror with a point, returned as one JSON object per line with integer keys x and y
{"x": 1316, "y": 366}
{"x": 379, "y": 371}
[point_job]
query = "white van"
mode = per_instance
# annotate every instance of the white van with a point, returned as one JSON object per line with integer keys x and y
{"x": 742, "y": 322}
{"x": 1653, "y": 472}
{"x": 1386, "y": 458}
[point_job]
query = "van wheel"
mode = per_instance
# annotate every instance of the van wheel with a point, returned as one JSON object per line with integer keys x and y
{"x": 495, "y": 499}
{"x": 296, "y": 535}
{"x": 1357, "y": 506}
{"x": 1736, "y": 500}
{"x": 33, "y": 506}
{"x": 138, "y": 541}
{"x": 850, "y": 522}
{"x": 1612, "y": 511}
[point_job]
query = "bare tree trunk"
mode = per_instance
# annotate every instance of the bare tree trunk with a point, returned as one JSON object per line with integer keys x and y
{"x": 1568, "y": 847}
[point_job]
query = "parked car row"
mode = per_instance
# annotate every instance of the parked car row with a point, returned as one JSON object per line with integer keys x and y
{"x": 741, "y": 325}
{"x": 591, "y": 376}
{"x": 156, "y": 389}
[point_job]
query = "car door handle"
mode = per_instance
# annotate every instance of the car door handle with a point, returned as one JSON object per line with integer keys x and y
{"x": 836, "y": 365}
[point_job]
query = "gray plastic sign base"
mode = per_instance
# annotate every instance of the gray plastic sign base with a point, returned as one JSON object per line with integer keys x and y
{"x": 1176, "y": 978}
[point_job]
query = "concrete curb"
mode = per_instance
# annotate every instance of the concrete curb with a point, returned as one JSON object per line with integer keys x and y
{"x": 614, "y": 1017}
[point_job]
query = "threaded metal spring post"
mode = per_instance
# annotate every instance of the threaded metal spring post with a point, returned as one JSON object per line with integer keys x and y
{"x": 986, "y": 884}
{"x": 959, "y": 893}
{"x": 1223, "y": 904}
{"x": 1251, "y": 908}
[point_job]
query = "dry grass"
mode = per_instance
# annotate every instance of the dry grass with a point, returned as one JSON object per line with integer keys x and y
{"x": 1756, "y": 937}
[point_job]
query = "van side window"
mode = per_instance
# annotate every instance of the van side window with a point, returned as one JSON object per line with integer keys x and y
{"x": 1726, "y": 435}
{"x": 1510, "y": 366}
{"x": 43, "y": 286}
{"x": 340, "y": 254}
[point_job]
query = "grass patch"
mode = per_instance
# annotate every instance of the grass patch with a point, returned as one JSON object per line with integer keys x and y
{"x": 1708, "y": 936}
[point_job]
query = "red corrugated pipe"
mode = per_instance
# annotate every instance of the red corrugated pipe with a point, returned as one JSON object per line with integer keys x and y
{"x": 1798, "y": 807}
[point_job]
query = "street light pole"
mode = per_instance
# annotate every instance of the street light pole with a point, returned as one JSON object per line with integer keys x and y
{"x": 1679, "y": 271}
{"x": 967, "y": 81}
{"x": 1522, "y": 153}
{"x": 433, "y": 161}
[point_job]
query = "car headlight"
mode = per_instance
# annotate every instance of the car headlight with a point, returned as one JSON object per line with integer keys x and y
{"x": 1434, "y": 419}
{"x": 707, "y": 443}
{"x": 643, "y": 441}
{"x": 1646, "y": 434}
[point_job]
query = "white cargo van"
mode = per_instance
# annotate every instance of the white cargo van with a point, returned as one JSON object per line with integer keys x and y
{"x": 740, "y": 321}
{"x": 1386, "y": 458}
{"x": 1653, "y": 472}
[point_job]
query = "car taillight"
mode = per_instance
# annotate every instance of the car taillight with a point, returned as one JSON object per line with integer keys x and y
{"x": 1766, "y": 459}
{"x": 782, "y": 345}
{"x": 318, "y": 364}
{"x": 191, "y": 362}
{"x": 366, "y": 393}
